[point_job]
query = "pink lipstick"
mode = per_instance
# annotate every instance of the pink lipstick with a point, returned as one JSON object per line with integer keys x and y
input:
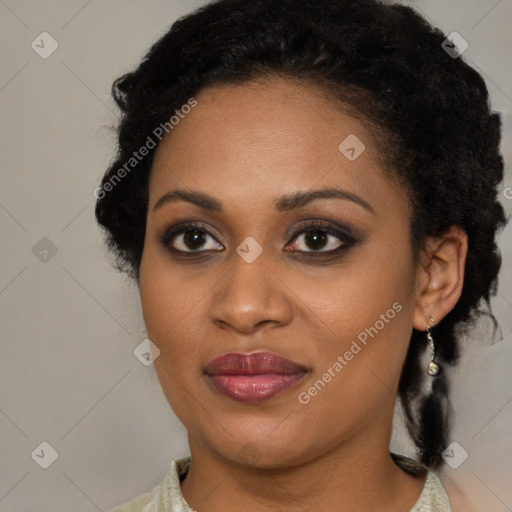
{"x": 255, "y": 377}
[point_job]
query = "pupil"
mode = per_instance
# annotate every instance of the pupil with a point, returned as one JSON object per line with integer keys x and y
{"x": 194, "y": 238}
{"x": 318, "y": 239}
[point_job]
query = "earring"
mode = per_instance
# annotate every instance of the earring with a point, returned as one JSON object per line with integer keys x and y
{"x": 432, "y": 368}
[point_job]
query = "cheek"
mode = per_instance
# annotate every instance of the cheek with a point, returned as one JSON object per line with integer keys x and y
{"x": 350, "y": 297}
{"x": 164, "y": 298}
{"x": 171, "y": 305}
{"x": 362, "y": 311}
{"x": 170, "y": 300}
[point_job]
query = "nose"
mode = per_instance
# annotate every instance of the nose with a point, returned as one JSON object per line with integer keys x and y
{"x": 249, "y": 297}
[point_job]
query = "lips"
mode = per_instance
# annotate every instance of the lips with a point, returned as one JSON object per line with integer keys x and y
{"x": 255, "y": 377}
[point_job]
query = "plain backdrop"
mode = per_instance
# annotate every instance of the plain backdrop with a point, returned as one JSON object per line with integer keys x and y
{"x": 70, "y": 323}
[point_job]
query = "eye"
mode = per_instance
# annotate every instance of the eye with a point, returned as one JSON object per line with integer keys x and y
{"x": 190, "y": 238}
{"x": 320, "y": 237}
{"x": 313, "y": 237}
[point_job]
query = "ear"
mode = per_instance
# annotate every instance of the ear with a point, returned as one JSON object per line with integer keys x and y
{"x": 440, "y": 276}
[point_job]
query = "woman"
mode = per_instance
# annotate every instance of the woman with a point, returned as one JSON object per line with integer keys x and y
{"x": 305, "y": 194}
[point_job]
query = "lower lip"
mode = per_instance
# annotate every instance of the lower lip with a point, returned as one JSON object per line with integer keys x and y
{"x": 254, "y": 388}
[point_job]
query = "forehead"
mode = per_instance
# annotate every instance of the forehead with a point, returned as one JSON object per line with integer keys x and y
{"x": 258, "y": 141}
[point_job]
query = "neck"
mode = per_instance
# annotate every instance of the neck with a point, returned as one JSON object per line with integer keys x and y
{"x": 352, "y": 477}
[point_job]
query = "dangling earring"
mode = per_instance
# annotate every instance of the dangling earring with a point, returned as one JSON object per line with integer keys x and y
{"x": 432, "y": 368}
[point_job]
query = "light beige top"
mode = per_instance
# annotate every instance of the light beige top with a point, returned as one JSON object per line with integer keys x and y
{"x": 167, "y": 497}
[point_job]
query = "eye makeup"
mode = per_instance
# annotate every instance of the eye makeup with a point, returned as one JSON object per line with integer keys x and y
{"x": 179, "y": 239}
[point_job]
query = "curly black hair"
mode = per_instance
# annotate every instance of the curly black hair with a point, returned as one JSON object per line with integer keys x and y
{"x": 429, "y": 111}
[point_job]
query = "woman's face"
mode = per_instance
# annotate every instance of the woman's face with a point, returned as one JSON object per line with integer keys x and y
{"x": 247, "y": 272}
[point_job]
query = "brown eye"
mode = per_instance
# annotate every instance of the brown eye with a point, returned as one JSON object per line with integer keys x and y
{"x": 316, "y": 239}
{"x": 320, "y": 238}
{"x": 193, "y": 239}
{"x": 190, "y": 238}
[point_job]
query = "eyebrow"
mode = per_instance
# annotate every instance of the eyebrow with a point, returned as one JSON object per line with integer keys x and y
{"x": 282, "y": 204}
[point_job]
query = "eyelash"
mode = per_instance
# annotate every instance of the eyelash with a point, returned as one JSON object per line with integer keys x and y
{"x": 346, "y": 240}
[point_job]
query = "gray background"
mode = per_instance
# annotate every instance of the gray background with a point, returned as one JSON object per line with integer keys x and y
{"x": 69, "y": 323}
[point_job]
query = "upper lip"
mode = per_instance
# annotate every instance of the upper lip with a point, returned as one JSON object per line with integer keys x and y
{"x": 257, "y": 363}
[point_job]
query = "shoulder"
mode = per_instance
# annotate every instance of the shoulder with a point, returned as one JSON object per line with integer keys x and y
{"x": 166, "y": 496}
{"x": 139, "y": 504}
{"x": 433, "y": 497}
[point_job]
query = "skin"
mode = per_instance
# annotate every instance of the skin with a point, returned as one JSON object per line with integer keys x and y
{"x": 246, "y": 146}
